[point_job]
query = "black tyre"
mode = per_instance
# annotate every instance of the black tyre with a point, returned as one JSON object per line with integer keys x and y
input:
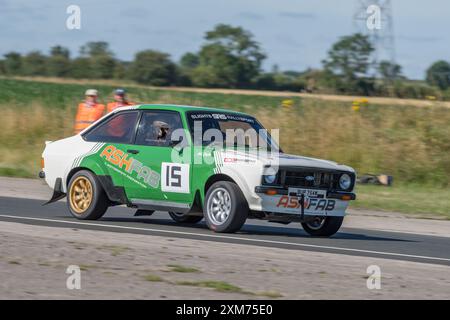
{"x": 86, "y": 198}
{"x": 225, "y": 208}
{"x": 183, "y": 218}
{"x": 323, "y": 227}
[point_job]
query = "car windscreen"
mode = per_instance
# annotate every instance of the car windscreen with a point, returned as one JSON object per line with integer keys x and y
{"x": 228, "y": 129}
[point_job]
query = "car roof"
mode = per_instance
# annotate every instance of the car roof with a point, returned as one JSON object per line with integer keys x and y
{"x": 184, "y": 108}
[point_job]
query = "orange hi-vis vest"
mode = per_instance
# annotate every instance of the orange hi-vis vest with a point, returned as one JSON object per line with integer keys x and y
{"x": 114, "y": 105}
{"x": 116, "y": 126}
{"x": 87, "y": 114}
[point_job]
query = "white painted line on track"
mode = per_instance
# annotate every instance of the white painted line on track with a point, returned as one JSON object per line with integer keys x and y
{"x": 215, "y": 236}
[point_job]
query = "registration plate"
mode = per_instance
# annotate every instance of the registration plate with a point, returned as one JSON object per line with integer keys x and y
{"x": 308, "y": 193}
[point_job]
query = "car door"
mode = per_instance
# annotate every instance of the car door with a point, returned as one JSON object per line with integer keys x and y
{"x": 162, "y": 176}
{"x": 113, "y": 135}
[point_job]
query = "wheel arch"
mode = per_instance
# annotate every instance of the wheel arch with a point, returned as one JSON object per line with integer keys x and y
{"x": 116, "y": 195}
{"x": 224, "y": 177}
{"x": 216, "y": 177}
{"x": 72, "y": 173}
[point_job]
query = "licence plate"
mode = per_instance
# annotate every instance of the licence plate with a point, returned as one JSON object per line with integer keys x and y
{"x": 309, "y": 193}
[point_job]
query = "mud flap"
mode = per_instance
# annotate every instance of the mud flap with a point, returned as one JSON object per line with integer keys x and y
{"x": 57, "y": 192}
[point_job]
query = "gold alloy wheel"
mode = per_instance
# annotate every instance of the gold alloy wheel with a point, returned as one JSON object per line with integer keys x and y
{"x": 81, "y": 194}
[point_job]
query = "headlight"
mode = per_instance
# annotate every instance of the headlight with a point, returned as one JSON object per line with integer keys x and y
{"x": 345, "y": 181}
{"x": 270, "y": 178}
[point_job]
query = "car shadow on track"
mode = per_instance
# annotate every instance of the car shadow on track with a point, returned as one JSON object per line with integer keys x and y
{"x": 249, "y": 229}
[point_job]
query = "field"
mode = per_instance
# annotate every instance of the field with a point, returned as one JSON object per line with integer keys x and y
{"x": 410, "y": 142}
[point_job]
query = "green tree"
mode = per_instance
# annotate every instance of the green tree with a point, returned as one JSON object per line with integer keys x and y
{"x": 59, "y": 64}
{"x": 120, "y": 70}
{"x": 103, "y": 66}
{"x": 13, "y": 63}
{"x": 217, "y": 68}
{"x": 189, "y": 61}
{"x": 101, "y": 59}
{"x": 96, "y": 48}
{"x": 348, "y": 63}
{"x": 81, "y": 68}
{"x": 389, "y": 71}
{"x": 34, "y": 64}
{"x": 229, "y": 58}
{"x": 153, "y": 67}
{"x": 438, "y": 74}
{"x": 59, "y": 51}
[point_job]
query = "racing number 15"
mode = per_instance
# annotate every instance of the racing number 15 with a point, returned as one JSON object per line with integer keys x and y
{"x": 175, "y": 177}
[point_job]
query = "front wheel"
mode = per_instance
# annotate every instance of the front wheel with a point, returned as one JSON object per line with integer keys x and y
{"x": 323, "y": 226}
{"x": 86, "y": 198}
{"x": 183, "y": 218}
{"x": 225, "y": 208}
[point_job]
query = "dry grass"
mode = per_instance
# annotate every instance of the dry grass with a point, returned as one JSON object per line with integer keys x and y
{"x": 412, "y": 144}
{"x": 24, "y": 132}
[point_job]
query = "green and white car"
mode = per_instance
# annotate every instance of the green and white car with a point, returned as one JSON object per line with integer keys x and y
{"x": 175, "y": 159}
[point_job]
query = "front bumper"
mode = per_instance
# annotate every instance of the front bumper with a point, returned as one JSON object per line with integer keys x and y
{"x": 283, "y": 201}
{"x": 284, "y": 191}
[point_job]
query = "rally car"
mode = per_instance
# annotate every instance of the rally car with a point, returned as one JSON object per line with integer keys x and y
{"x": 182, "y": 160}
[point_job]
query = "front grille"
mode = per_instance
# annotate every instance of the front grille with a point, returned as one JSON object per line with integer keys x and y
{"x": 310, "y": 179}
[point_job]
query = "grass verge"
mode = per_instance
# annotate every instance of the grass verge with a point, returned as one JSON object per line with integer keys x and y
{"x": 418, "y": 201}
{"x": 412, "y": 144}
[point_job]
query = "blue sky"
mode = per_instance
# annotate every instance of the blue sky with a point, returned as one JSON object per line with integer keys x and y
{"x": 295, "y": 34}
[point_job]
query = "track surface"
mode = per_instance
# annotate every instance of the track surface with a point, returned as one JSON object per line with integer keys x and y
{"x": 391, "y": 245}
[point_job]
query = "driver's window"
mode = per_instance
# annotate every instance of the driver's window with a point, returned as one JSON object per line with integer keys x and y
{"x": 156, "y": 128}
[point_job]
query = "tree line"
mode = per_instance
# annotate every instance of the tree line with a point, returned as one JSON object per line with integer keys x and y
{"x": 230, "y": 57}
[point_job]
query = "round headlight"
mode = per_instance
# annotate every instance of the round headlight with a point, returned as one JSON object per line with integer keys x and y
{"x": 345, "y": 181}
{"x": 270, "y": 178}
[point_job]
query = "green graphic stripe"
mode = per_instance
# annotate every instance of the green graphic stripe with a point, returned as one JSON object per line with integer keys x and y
{"x": 93, "y": 150}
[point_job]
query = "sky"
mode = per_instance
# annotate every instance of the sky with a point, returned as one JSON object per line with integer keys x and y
{"x": 295, "y": 34}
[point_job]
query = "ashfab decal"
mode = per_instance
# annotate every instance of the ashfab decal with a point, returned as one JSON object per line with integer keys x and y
{"x": 310, "y": 204}
{"x": 123, "y": 161}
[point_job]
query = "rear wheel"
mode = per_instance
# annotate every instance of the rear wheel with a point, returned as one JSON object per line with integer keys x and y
{"x": 225, "y": 208}
{"x": 183, "y": 218}
{"x": 323, "y": 226}
{"x": 86, "y": 198}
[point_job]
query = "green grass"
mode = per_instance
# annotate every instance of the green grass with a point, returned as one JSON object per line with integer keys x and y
{"x": 421, "y": 201}
{"x": 220, "y": 286}
{"x": 116, "y": 250}
{"x": 16, "y": 172}
{"x": 410, "y": 143}
{"x": 269, "y": 294}
{"x": 153, "y": 278}
{"x": 182, "y": 269}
